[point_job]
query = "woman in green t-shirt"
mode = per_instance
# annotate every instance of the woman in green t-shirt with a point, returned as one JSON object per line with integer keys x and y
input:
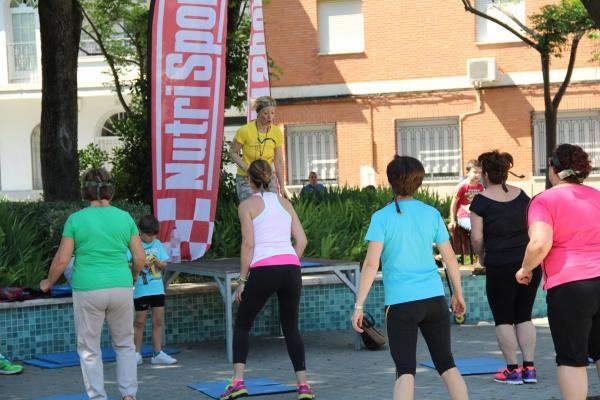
{"x": 259, "y": 140}
{"x": 99, "y": 236}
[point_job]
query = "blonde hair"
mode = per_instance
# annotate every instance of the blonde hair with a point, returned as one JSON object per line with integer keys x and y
{"x": 264, "y": 102}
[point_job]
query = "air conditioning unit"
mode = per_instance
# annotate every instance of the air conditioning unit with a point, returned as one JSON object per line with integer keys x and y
{"x": 481, "y": 69}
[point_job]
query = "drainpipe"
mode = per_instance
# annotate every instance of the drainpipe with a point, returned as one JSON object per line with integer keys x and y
{"x": 462, "y": 117}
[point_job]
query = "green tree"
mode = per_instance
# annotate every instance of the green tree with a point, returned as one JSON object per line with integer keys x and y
{"x": 553, "y": 31}
{"x": 120, "y": 30}
{"x": 92, "y": 157}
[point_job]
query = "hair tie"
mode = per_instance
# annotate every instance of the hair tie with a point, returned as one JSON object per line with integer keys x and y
{"x": 397, "y": 205}
{"x": 565, "y": 173}
{"x": 264, "y": 103}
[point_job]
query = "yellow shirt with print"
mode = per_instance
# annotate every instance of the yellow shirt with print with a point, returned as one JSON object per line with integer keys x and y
{"x": 258, "y": 145}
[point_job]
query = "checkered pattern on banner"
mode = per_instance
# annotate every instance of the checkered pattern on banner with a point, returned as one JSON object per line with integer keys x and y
{"x": 192, "y": 224}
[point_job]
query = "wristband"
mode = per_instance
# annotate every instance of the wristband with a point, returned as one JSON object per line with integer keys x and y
{"x": 242, "y": 280}
{"x": 358, "y": 307}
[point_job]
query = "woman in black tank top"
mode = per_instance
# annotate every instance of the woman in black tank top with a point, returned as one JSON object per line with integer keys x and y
{"x": 499, "y": 237}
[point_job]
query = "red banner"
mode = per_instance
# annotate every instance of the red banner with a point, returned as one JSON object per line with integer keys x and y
{"x": 187, "y": 57}
{"x": 258, "y": 63}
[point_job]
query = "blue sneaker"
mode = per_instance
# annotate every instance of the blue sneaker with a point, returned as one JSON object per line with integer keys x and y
{"x": 529, "y": 374}
{"x": 513, "y": 377}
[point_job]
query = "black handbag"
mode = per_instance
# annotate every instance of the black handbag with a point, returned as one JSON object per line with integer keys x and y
{"x": 371, "y": 337}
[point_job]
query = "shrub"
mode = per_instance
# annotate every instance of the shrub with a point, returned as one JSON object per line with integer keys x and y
{"x": 335, "y": 221}
{"x": 42, "y": 221}
{"x": 22, "y": 262}
{"x": 91, "y": 156}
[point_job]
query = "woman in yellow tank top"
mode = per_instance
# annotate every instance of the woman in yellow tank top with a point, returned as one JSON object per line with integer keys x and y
{"x": 259, "y": 140}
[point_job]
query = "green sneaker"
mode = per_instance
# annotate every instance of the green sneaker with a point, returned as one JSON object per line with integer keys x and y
{"x": 8, "y": 368}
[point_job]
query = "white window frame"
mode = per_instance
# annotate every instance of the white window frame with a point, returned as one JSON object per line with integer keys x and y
{"x": 107, "y": 143}
{"x": 450, "y": 127}
{"x": 341, "y": 27}
{"x": 591, "y": 143}
{"x": 490, "y": 32}
{"x": 299, "y": 151}
{"x": 36, "y": 159}
{"x": 19, "y": 47}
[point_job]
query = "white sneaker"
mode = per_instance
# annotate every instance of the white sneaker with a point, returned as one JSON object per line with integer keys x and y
{"x": 163, "y": 358}
{"x": 138, "y": 358}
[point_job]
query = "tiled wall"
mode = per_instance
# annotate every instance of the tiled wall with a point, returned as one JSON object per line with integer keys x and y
{"x": 199, "y": 316}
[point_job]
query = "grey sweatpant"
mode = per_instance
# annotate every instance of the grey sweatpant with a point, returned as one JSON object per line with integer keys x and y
{"x": 90, "y": 309}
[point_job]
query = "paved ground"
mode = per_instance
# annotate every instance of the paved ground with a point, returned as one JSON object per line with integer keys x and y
{"x": 336, "y": 371}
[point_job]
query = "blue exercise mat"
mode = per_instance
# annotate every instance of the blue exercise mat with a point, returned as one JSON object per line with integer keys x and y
{"x": 45, "y": 364}
{"x": 475, "y": 365}
{"x": 61, "y": 290}
{"x": 305, "y": 264}
{"x": 255, "y": 386}
{"x": 71, "y": 359}
{"x": 81, "y": 396}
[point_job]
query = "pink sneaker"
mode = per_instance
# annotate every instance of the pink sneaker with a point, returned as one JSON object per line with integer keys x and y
{"x": 304, "y": 392}
{"x": 234, "y": 390}
{"x": 513, "y": 377}
{"x": 529, "y": 374}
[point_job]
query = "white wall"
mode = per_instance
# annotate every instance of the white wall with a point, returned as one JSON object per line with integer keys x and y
{"x": 20, "y": 116}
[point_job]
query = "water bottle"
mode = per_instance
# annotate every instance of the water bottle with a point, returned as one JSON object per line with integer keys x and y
{"x": 175, "y": 246}
{"x": 69, "y": 270}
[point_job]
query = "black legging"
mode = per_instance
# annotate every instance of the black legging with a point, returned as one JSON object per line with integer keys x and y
{"x": 511, "y": 303}
{"x": 286, "y": 281}
{"x": 404, "y": 320}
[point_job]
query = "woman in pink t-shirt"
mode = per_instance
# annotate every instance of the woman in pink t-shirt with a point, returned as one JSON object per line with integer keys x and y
{"x": 564, "y": 236}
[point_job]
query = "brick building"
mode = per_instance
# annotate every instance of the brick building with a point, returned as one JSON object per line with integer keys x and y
{"x": 359, "y": 81}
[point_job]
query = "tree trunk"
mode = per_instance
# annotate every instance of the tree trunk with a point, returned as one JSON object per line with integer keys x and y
{"x": 60, "y": 29}
{"x": 550, "y": 115}
{"x": 593, "y": 7}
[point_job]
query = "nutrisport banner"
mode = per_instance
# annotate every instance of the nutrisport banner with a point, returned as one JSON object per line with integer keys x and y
{"x": 187, "y": 82}
{"x": 258, "y": 65}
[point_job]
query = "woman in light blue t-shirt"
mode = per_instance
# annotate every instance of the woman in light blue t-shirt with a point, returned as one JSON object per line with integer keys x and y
{"x": 401, "y": 234}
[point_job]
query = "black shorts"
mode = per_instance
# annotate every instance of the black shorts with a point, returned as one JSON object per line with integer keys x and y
{"x": 404, "y": 320}
{"x": 145, "y": 302}
{"x": 511, "y": 303}
{"x": 574, "y": 317}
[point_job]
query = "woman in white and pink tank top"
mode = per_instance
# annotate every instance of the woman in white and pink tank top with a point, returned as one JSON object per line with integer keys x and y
{"x": 269, "y": 264}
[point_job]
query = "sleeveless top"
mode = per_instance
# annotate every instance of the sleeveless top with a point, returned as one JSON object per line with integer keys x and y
{"x": 272, "y": 235}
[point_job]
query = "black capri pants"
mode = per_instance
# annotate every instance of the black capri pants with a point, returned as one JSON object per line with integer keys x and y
{"x": 574, "y": 317}
{"x": 286, "y": 282}
{"x": 404, "y": 320}
{"x": 511, "y": 303}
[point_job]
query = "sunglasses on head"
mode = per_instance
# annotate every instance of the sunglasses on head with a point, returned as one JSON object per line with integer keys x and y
{"x": 554, "y": 162}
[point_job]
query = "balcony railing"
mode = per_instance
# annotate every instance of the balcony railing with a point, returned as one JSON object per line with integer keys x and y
{"x": 22, "y": 62}
{"x": 108, "y": 143}
{"x": 88, "y": 47}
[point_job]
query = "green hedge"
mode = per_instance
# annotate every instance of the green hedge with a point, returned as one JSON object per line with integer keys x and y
{"x": 335, "y": 223}
{"x": 30, "y": 232}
